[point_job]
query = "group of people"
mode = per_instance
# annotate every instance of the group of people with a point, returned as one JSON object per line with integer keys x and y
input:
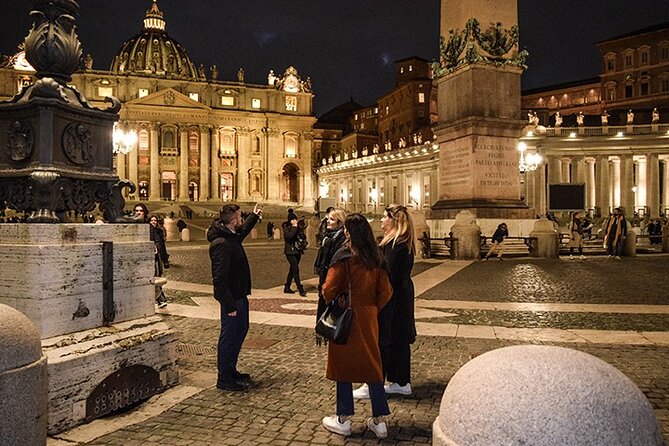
{"x": 376, "y": 275}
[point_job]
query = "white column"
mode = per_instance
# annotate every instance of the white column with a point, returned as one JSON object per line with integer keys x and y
{"x": 603, "y": 190}
{"x": 205, "y": 151}
{"x": 183, "y": 163}
{"x": 243, "y": 149}
{"x": 565, "y": 163}
{"x": 653, "y": 182}
{"x": 155, "y": 180}
{"x": 590, "y": 183}
{"x": 641, "y": 195}
{"x": 132, "y": 163}
{"x": 215, "y": 181}
{"x": 626, "y": 184}
{"x": 615, "y": 182}
{"x": 554, "y": 170}
{"x": 665, "y": 185}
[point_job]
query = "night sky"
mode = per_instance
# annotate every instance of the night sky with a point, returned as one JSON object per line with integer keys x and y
{"x": 347, "y": 47}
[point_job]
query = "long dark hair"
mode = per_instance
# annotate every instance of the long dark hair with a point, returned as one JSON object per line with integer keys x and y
{"x": 361, "y": 241}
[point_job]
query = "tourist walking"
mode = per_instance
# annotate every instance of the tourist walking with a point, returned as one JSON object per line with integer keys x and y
{"x": 231, "y": 276}
{"x": 332, "y": 239}
{"x": 293, "y": 235}
{"x": 397, "y": 324}
{"x": 498, "y": 241}
{"x": 575, "y": 230}
{"x": 358, "y": 266}
{"x": 615, "y": 233}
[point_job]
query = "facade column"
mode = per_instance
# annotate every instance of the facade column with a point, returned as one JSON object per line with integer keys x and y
{"x": 616, "y": 182}
{"x": 205, "y": 150}
{"x": 653, "y": 184}
{"x": 578, "y": 169}
{"x": 306, "y": 151}
{"x": 590, "y": 184}
{"x": 243, "y": 149}
{"x": 626, "y": 184}
{"x": 132, "y": 162}
{"x": 215, "y": 160}
{"x": 183, "y": 163}
{"x": 274, "y": 156}
{"x": 641, "y": 193}
{"x": 565, "y": 163}
{"x": 154, "y": 163}
{"x": 603, "y": 190}
{"x": 665, "y": 185}
{"x": 542, "y": 185}
{"x": 554, "y": 169}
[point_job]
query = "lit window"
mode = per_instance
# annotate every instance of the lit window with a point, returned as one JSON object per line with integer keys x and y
{"x": 290, "y": 147}
{"x": 356, "y": 117}
{"x": 105, "y": 91}
{"x": 387, "y": 109}
{"x": 255, "y": 103}
{"x": 143, "y": 140}
{"x": 194, "y": 96}
{"x": 401, "y": 70}
{"x": 143, "y": 92}
{"x": 227, "y": 101}
{"x": 376, "y": 110}
{"x": 421, "y": 98}
{"x": 644, "y": 89}
{"x": 291, "y": 103}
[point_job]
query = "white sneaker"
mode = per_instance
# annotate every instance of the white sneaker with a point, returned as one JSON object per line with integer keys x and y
{"x": 582, "y": 257}
{"x": 571, "y": 256}
{"x": 380, "y": 430}
{"x": 396, "y": 388}
{"x": 361, "y": 393}
{"x": 617, "y": 257}
{"x": 333, "y": 424}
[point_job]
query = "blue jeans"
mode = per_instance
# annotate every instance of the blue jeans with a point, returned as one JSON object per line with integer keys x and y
{"x": 376, "y": 393}
{"x": 233, "y": 333}
{"x": 617, "y": 249}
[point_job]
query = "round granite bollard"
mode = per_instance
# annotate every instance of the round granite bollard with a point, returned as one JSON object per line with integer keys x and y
{"x": 467, "y": 235}
{"x": 546, "y": 243}
{"x": 540, "y": 396}
{"x": 23, "y": 381}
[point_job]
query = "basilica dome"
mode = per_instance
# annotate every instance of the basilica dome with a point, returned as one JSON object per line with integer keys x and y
{"x": 153, "y": 51}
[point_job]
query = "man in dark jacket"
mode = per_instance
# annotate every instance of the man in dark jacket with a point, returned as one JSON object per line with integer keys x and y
{"x": 232, "y": 285}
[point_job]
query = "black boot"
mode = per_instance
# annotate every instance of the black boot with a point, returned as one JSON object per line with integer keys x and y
{"x": 287, "y": 290}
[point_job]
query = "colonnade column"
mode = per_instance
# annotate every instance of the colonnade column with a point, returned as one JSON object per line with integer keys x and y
{"x": 306, "y": 150}
{"x": 653, "y": 184}
{"x": 243, "y": 148}
{"x": 132, "y": 163}
{"x": 626, "y": 184}
{"x": 215, "y": 181}
{"x": 541, "y": 207}
{"x": 120, "y": 166}
{"x": 554, "y": 169}
{"x": 590, "y": 183}
{"x": 183, "y": 163}
{"x": 578, "y": 169}
{"x": 154, "y": 163}
{"x": 205, "y": 150}
{"x": 615, "y": 182}
{"x": 602, "y": 191}
{"x": 665, "y": 185}
{"x": 640, "y": 193}
{"x": 564, "y": 165}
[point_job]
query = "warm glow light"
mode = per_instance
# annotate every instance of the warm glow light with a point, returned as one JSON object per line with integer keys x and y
{"x": 323, "y": 189}
{"x": 572, "y": 135}
{"x": 123, "y": 142}
{"x": 374, "y": 195}
{"x": 619, "y": 134}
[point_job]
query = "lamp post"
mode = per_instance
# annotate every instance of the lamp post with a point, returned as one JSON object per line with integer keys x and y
{"x": 123, "y": 141}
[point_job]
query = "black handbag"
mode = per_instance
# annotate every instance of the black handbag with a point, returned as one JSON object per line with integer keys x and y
{"x": 335, "y": 322}
{"x": 301, "y": 243}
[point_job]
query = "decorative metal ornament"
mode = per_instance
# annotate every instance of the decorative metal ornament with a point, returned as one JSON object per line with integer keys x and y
{"x": 169, "y": 98}
{"x": 20, "y": 141}
{"x": 78, "y": 143}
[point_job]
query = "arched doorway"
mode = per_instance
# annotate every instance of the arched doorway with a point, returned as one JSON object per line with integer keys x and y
{"x": 289, "y": 183}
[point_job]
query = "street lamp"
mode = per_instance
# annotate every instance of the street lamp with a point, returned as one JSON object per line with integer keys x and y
{"x": 124, "y": 141}
{"x": 529, "y": 162}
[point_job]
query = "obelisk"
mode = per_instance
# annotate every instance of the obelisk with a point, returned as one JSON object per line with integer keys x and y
{"x": 478, "y": 81}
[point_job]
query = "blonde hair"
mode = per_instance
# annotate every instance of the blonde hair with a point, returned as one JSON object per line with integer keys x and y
{"x": 401, "y": 227}
{"x": 339, "y": 214}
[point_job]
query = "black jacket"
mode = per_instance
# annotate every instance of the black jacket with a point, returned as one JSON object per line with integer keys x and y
{"x": 397, "y": 323}
{"x": 230, "y": 271}
{"x": 290, "y": 235}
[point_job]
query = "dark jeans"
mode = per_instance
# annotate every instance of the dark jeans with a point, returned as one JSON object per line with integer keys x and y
{"x": 376, "y": 393}
{"x": 396, "y": 359}
{"x": 617, "y": 249}
{"x": 294, "y": 271}
{"x": 233, "y": 333}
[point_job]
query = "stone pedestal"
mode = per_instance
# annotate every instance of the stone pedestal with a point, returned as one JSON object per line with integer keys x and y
{"x": 23, "y": 381}
{"x": 90, "y": 291}
{"x": 545, "y": 239}
{"x": 665, "y": 238}
{"x": 629, "y": 244}
{"x": 543, "y": 395}
{"x": 467, "y": 235}
{"x": 171, "y": 229}
{"x": 185, "y": 235}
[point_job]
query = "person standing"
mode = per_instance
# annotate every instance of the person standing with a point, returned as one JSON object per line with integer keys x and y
{"x": 231, "y": 276}
{"x": 397, "y": 323}
{"x": 655, "y": 232}
{"x": 270, "y": 230}
{"x": 332, "y": 239}
{"x": 615, "y": 233}
{"x": 498, "y": 241}
{"x": 141, "y": 213}
{"x": 575, "y": 230}
{"x": 323, "y": 227}
{"x": 357, "y": 267}
{"x": 292, "y": 232}
{"x": 157, "y": 236}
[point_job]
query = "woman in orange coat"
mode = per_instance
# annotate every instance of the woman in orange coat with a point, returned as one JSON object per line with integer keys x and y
{"x": 359, "y": 262}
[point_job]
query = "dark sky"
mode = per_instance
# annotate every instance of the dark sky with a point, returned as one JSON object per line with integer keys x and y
{"x": 347, "y": 47}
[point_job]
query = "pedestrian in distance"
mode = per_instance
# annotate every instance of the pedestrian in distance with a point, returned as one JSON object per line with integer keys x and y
{"x": 270, "y": 230}
{"x": 575, "y": 230}
{"x": 231, "y": 277}
{"x": 358, "y": 266}
{"x": 615, "y": 233}
{"x": 498, "y": 241}
{"x": 157, "y": 236}
{"x": 293, "y": 236}
{"x": 655, "y": 232}
{"x": 397, "y": 323}
{"x": 332, "y": 239}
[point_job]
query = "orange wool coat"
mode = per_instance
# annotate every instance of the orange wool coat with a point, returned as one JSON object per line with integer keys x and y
{"x": 359, "y": 360}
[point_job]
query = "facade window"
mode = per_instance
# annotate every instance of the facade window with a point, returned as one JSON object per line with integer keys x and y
{"x": 290, "y": 147}
{"x": 387, "y": 110}
{"x": 194, "y": 96}
{"x": 664, "y": 53}
{"x": 644, "y": 58}
{"x": 628, "y": 60}
{"x": 664, "y": 85}
{"x": 227, "y": 101}
{"x": 227, "y": 143}
{"x": 143, "y": 140}
{"x": 610, "y": 64}
{"x": 629, "y": 91}
{"x": 142, "y": 92}
{"x": 644, "y": 89}
{"x": 611, "y": 93}
{"x": 256, "y": 146}
{"x": 421, "y": 98}
{"x": 193, "y": 149}
{"x": 410, "y": 67}
{"x": 105, "y": 91}
{"x": 291, "y": 103}
{"x": 401, "y": 70}
{"x": 168, "y": 139}
{"x": 255, "y": 103}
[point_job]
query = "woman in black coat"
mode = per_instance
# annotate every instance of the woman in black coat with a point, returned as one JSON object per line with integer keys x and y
{"x": 293, "y": 230}
{"x": 397, "y": 323}
{"x": 332, "y": 239}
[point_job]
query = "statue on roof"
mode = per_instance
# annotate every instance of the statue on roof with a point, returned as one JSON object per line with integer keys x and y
{"x": 656, "y": 116}
{"x": 214, "y": 72}
{"x": 240, "y": 75}
{"x": 630, "y": 117}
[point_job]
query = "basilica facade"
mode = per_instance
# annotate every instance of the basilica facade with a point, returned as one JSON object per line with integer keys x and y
{"x": 197, "y": 138}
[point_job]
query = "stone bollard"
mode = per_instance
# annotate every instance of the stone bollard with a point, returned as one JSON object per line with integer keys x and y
{"x": 311, "y": 231}
{"x": 185, "y": 235}
{"x": 23, "y": 381}
{"x": 467, "y": 235}
{"x": 543, "y": 395}
{"x": 277, "y": 234}
{"x": 665, "y": 238}
{"x": 629, "y": 244}
{"x": 545, "y": 239}
{"x": 171, "y": 229}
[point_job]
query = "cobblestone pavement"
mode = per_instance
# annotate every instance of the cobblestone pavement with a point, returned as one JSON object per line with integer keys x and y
{"x": 291, "y": 394}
